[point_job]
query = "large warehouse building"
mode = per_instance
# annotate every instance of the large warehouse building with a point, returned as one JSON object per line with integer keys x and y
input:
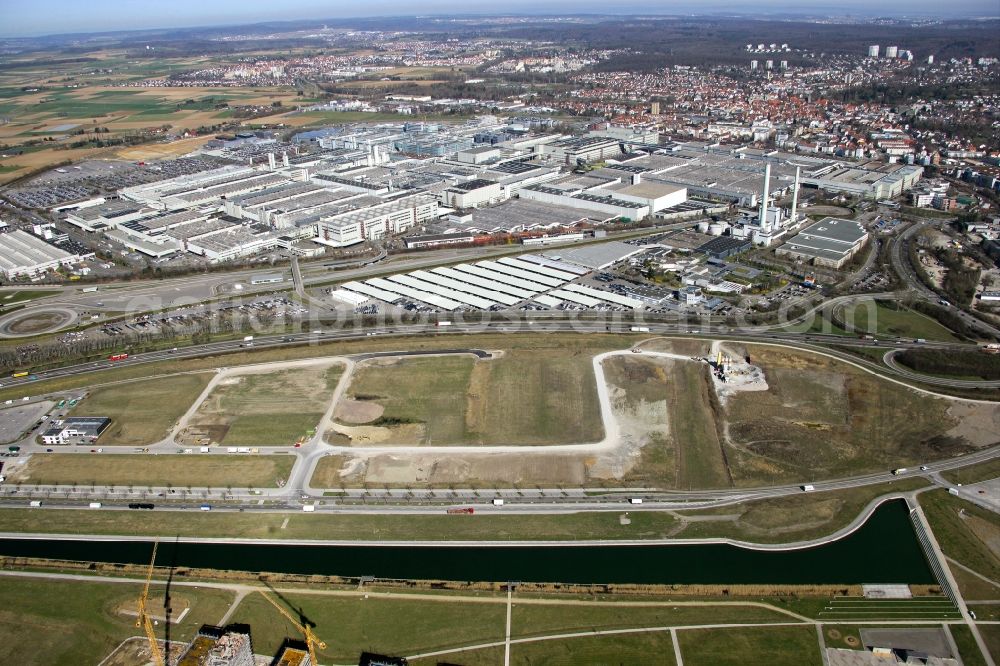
{"x": 24, "y": 255}
{"x": 830, "y": 242}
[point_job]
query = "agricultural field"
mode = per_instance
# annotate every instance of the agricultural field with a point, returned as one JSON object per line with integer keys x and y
{"x": 65, "y": 623}
{"x": 142, "y": 412}
{"x": 43, "y": 124}
{"x": 522, "y": 397}
{"x": 264, "y": 407}
{"x": 140, "y": 471}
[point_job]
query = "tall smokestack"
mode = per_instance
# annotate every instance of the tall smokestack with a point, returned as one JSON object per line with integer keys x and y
{"x": 795, "y": 194}
{"x": 767, "y": 194}
{"x": 284, "y": 159}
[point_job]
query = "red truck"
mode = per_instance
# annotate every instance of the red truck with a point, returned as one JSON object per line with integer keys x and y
{"x": 465, "y": 510}
{"x": 118, "y": 357}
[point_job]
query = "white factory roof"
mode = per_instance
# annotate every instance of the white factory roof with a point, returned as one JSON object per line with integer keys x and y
{"x": 521, "y": 287}
{"x": 415, "y": 294}
{"x": 444, "y": 292}
{"x": 466, "y": 287}
{"x": 552, "y": 263}
{"x": 596, "y": 257}
{"x": 485, "y": 283}
{"x": 562, "y": 276}
{"x": 604, "y": 295}
{"x": 20, "y": 250}
{"x": 373, "y": 292}
{"x": 548, "y": 300}
{"x": 574, "y": 297}
{"x": 513, "y": 271}
{"x": 349, "y": 296}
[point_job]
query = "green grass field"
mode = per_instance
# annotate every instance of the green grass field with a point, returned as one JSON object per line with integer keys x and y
{"x": 66, "y": 623}
{"x": 700, "y": 462}
{"x": 299, "y": 525}
{"x": 991, "y": 636}
{"x": 428, "y": 391}
{"x": 968, "y": 649}
{"x": 538, "y": 619}
{"x": 899, "y": 322}
{"x": 752, "y": 646}
{"x": 395, "y": 626}
{"x": 531, "y": 396}
{"x": 638, "y": 648}
{"x": 793, "y": 518}
{"x": 964, "y": 531}
{"x": 530, "y": 342}
{"x": 267, "y": 409}
{"x": 974, "y": 473}
{"x": 21, "y": 296}
{"x": 523, "y": 397}
{"x": 180, "y": 471}
{"x": 142, "y": 412}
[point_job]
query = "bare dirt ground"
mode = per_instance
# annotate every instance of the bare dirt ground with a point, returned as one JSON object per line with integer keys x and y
{"x": 979, "y": 424}
{"x": 676, "y": 346}
{"x": 394, "y": 469}
{"x": 358, "y": 411}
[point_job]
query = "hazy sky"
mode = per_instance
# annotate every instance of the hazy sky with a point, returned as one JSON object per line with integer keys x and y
{"x": 38, "y": 17}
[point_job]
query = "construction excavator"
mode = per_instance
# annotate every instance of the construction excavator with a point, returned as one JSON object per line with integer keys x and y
{"x": 143, "y": 620}
{"x": 312, "y": 642}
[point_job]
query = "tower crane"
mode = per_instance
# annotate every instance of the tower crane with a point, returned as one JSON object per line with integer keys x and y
{"x": 312, "y": 642}
{"x": 144, "y": 620}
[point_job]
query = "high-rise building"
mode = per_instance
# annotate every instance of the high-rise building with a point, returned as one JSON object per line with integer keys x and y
{"x": 784, "y": 64}
{"x": 930, "y": 60}
{"x": 654, "y": 108}
{"x": 891, "y": 51}
{"x": 873, "y": 51}
{"x": 753, "y": 65}
{"x": 769, "y": 64}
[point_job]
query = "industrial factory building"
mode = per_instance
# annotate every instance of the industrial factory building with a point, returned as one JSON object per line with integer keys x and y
{"x": 830, "y": 242}
{"x": 25, "y": 255}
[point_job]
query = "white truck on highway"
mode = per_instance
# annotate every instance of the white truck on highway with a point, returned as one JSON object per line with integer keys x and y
{"x": 898, "y": 471}
{"x": 640, "y": 329}
{"x": 309, "y": 508}
{"x": 95, "y": 505}
{"x": 635, "y": 500}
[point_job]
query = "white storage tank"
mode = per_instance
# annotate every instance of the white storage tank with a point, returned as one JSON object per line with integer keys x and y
{"x": 703, "y": 227}
{"x": 716, "y": 229}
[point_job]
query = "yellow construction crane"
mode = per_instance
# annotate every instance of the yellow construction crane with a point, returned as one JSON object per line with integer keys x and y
{"x": 144, "y": 620}
{"x": 311, "y": 641}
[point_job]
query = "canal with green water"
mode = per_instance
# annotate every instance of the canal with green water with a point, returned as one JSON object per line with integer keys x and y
{"x": 883, "y": 550}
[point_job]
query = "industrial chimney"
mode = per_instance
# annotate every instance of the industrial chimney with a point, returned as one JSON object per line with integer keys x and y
{"x": 767, "y": 194}
{"x": 795, "y": 195}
